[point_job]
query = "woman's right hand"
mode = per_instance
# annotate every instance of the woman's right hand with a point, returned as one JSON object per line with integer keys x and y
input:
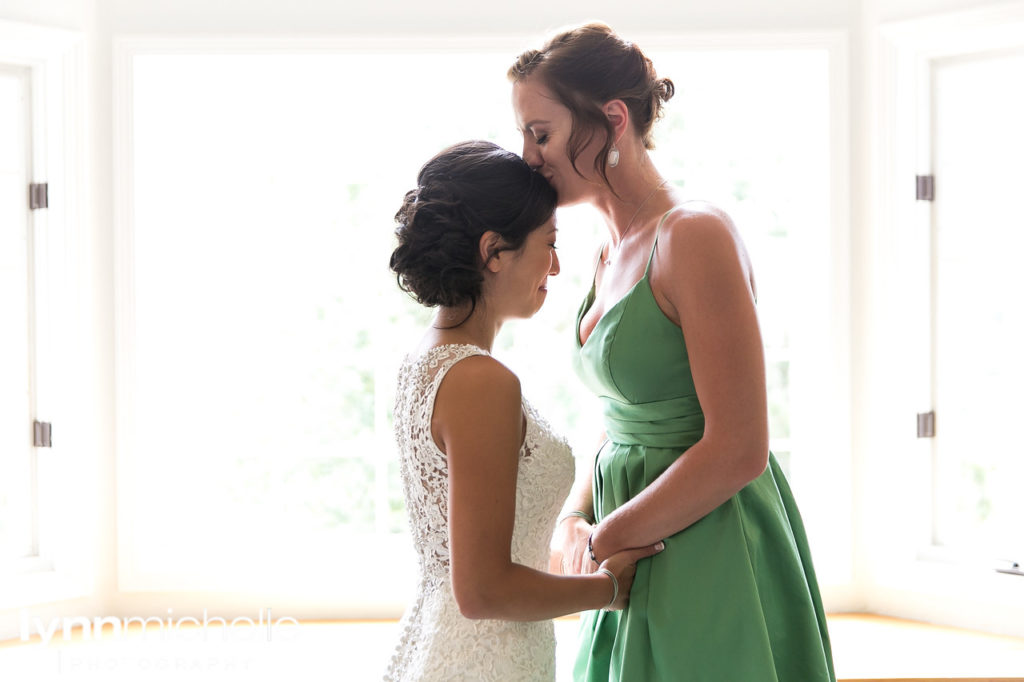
{"x": 623, "y": 566}
{"x": 569, "y": 547}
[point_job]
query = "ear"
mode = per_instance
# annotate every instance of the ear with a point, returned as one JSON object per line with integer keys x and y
{"x": 489, "y": 249}
{"x": 618, "y": 115}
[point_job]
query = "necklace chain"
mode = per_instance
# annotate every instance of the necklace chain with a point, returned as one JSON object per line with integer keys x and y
{"x": 608, "y": 261}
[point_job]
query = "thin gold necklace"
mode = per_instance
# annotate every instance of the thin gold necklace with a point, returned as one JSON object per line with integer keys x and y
{"x": 608, "y": 261}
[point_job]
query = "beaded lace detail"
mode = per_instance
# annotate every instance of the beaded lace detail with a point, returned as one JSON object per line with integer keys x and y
{"x": 437, "y": 642}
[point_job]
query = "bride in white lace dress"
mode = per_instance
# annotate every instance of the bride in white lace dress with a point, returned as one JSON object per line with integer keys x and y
{"x": 483, "y": 474}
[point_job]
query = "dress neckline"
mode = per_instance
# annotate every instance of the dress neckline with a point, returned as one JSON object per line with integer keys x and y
{"x": 592, "y": 295}
{"x": 588, "y": 304}
{"x": 445, "y": 346}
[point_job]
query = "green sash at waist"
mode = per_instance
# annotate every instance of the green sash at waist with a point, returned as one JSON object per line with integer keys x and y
{"x": 675, "y": 423}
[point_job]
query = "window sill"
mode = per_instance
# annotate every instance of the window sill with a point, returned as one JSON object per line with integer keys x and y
{"x": 41, "y": 587}
{"x": 870, "y": 647}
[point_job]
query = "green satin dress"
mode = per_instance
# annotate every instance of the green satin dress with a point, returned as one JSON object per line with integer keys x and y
{"x": 732, "y": 598}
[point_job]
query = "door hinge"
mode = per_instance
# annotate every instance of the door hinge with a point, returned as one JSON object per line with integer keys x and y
{"x": 1010, "y": 568}
{"x": 926, "y": 425}
{"x": 926, "y": 188}
{"x": 43, "y": 431}
{"x": 38, "y": 195}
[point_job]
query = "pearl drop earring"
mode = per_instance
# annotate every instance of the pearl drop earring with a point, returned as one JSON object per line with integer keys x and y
{"x": 613, "y": 156}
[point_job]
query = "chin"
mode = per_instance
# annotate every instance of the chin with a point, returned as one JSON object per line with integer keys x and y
{"x": 527, "y": 314}
{"x": 565, "y": 201}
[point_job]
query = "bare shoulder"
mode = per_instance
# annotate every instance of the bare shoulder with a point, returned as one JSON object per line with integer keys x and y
{"x": 697, "y": 223}
{"x": 700, "y": 253}
{"x": 699, "y": 232}
{"x": 477, "y": 377}
{"x": 478, "y": 410}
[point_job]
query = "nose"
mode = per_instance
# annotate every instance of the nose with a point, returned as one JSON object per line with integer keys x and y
{"x": 531, "y": 153}
{"x": 555, "y": 267}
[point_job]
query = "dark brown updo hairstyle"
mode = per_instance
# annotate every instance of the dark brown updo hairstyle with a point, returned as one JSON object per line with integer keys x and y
{"x": 585, "y": 68}
{"x": 466, "y": 190}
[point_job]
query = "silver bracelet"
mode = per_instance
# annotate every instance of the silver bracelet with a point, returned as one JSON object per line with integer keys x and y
{"x": 583, "y": 515}
{"x": 615, "y": 587}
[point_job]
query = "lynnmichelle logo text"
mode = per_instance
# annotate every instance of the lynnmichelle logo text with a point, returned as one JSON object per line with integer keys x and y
{"x": 187, "y": 628}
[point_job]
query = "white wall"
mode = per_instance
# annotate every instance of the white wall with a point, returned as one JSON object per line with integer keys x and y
{"x": 69, "y": 14}
{"x": 899, "y": 10}
{"x": 406, "y": 17}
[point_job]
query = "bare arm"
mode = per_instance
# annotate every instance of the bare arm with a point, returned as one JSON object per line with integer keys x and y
{"x": 569, "y": 542}
{"x": 478, "y": 423}
{"x": 704, "y": 282}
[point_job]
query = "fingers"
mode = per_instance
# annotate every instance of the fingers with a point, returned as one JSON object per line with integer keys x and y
{"x": 627, "y": 558}
{"x": 644, "y": 552}
{"x": 623, "y": 564}
{"x": 581, "y": 562}
{"x": 556, "y": 563}
{"x": 584, "y": 566}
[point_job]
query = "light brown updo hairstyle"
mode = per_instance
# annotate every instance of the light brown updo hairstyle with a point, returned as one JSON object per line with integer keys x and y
{"x": 585, "y": 68}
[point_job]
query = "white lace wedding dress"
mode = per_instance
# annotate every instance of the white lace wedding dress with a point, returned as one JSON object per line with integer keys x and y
{"x": 437, "y": 643}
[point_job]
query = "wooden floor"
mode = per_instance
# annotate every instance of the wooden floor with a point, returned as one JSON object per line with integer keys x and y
{"x": 865, "y": 647}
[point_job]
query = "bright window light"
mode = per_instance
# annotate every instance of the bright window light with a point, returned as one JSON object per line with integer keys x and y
{"x": 267, "y": 330}
{"x": 979, "y": 322}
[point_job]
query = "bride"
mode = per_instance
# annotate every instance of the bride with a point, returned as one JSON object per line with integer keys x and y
{"x": 483, "y": 475}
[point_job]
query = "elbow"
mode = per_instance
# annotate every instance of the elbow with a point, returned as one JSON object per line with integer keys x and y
{"x": 740, "y": 446}
{"x": 475, "y": 602}
{"x": 472, "y": 608}
{"x": 758, "y": 461}
{"x": 751, "y": 459}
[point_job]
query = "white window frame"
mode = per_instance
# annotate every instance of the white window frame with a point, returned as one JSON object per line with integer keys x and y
{"x": 831, "y": 425}
{"x": 903, "y": 574}
{"x": 65, "y": 499}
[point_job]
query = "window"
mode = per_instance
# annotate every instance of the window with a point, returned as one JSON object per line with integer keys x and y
{"x": 262, "y": 330}
{"x": 939, "y": 512}
{"x": 266, "y": 328}
{"x": 979, "y": 324}
{"x": 45, "y": 521}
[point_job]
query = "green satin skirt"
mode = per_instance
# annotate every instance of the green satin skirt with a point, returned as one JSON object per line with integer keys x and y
{"x": 732, "y": 598}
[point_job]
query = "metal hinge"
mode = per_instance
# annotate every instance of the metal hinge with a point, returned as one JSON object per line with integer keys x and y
{"x": 38, "y": 195}
{"x": 926, "y": 188}
{"x": 1010, "y": 568}
{"x": 926, "y": 425}
{"x": 42, "y": 435}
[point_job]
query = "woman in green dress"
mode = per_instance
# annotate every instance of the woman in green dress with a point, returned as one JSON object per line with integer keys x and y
{"x": 668, "y": 338}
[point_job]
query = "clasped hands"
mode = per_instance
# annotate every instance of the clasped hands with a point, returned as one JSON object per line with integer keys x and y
{"x": 571, "y": 555}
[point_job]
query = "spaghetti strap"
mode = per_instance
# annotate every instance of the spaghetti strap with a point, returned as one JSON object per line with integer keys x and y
{"x": 597, "y": 265}
{"x": 657, "y": 233}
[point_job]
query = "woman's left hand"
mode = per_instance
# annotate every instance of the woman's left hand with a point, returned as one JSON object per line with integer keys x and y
{"x": 569, "y": 554}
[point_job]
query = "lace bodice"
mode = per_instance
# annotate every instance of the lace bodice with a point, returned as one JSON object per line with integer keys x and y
{"x": 437, "y": 642}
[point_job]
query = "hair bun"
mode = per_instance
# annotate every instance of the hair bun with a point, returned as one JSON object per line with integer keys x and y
{"x": 665, "y": 89}
{"x": 466, "y": 190}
